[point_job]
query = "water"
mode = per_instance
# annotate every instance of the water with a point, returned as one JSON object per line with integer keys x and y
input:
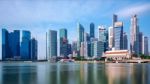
{"x": 74, "y": 73}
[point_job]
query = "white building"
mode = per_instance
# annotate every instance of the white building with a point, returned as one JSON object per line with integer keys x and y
{"x": 117, "y": 54}
{"x": 110, "y": 37}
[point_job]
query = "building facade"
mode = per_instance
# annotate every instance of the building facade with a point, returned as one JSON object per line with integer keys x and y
{"x": 118, "y": 35}
{"x": 63, "y": 43}
{"x": 145, "y": 46}
{"x": 134, "y": 35}
{"x": 92, "y": 30}
{"x": 25, "y": 50}
{"x": 34, "y": 49}
{"x": 125, "y": 41}
{"x": 103, "y": 36}
{"x": 80, "y": 35}
{"x": 51, "y": 44}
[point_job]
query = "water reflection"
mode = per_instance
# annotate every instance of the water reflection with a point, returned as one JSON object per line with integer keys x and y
{"x": 73, "y": 73}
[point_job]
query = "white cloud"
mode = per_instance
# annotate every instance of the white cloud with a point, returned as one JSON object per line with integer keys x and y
{"x": 26, "y": 11}
{"x": 134, "y": 9}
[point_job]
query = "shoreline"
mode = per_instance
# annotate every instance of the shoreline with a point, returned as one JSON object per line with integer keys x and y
{"x": 123, "y": 61}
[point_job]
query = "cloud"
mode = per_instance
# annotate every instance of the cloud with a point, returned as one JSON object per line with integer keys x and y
{"x": 26, "y": 11}
{"x": 134, "y": 9}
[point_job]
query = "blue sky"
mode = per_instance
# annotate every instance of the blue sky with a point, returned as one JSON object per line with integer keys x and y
{"x": 40, "y": 15}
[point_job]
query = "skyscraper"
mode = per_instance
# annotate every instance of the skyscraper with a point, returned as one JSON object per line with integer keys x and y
{"x": 51, "y": 44}
{"x": 14, "y": 43}
{"x": 118, "y": 35}
{"x": 80, "y": 35}
{"x": 103, "y": 36}
{"x": 25, "y": 50}
{"x": 34, "y": 49}
{"x": 125, "y": 41}
{"x": 63, "y": 43}
{"x": 92, "y": 30}
{"x": 5, "y": 45}
{"x": 111, "y": 38}
{"x": 140, "y": 42}
{"x": 98, "y": 48}
{"x": 134, "y": 35}
{"x": 115, "y": 19}
{"x": 10, "y": 44}
{"x": 145, "y": 45}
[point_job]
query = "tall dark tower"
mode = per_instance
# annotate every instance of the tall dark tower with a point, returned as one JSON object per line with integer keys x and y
{"x": 92, "y": 32}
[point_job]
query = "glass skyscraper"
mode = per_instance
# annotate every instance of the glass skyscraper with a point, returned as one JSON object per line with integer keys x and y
{"x": 103, "y": 36}
{"x": 134, "y": 35}
{"x": 5, "y": 45}
{"x": 10, "y": 44}
{"x": 25, "y": 45}
{"x": 92, "y": 30}
{"x": 80, "y": 36}
{"x": 118, "y": 36}
{"x": 63, "y": 42}
{"x": 125, "y": 41}
{"x": 98, "y": 48}
{"x": 51, "y": 44}
{"x": 14, "y": 43}
{"x": 34, "y": 49}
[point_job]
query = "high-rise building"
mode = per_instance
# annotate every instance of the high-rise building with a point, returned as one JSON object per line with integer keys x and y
{"x": 115, "y": 19}
{"x": 63, "y": 43}
{"x": 134, "y": 35}
{"x": 82, "y": 49}
{"x": 5, "y": 45}
{"x": 74, "y": 48}
{"x": 34, "y": 49}
{"x": 111, "y": 38}
{"x": 92, "y": 40}
{"x": 51, "y": 44}
{"x": 86, "y": 37}
{"x": 14, "y": 43}
{"x": 10, "y": 44}
{"x": 80, "y": 36}
{"x": 25, "y": 49}
{"x": 103, "y": 36}
{"x": 92, "y": 30}
{"x": 98, "y": 48}
{"x": 125, "y": 41}
{"x": 118, "y": 35}
{"x": 145, "y": 45}
{"x": 140, "y": 42}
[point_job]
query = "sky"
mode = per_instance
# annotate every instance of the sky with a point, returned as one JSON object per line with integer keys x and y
{"x": 38, "y": 16}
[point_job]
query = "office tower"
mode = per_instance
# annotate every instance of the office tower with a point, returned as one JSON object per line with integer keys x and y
{"x": 69, "y": 51}
{"x": 10, "y": 44}
{"x": 82, "y": 49}
{"x": 140, "y": 42}
{"x": 74, "y": 48}
{"x": 51, "y": 44}
{"x": 63, "y": 43}
{"x": 80, "y": 35}
{"x": 5, "y": 45}
{"x": 103, "y": 36}
{"x": 134, "y": 35}
{"x": 125, "y": 41}
{"x": 111, "y": 37}
{"x": 145, "y": 45}
{"x": 98, "y": 48}
{"x": 14, "y": 44}
{"x": 92, "y": 46}
{"x": 25, "y": 45}
{"x": 92, "y": 30}
{"x": 86, "y": 37}
{"x": 34, "y": 49}
{"x": 115, "y": 19}
{"x": 118, "y": 35}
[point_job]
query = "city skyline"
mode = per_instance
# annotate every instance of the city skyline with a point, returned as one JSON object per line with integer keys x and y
{"x": 38, "y": 24}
